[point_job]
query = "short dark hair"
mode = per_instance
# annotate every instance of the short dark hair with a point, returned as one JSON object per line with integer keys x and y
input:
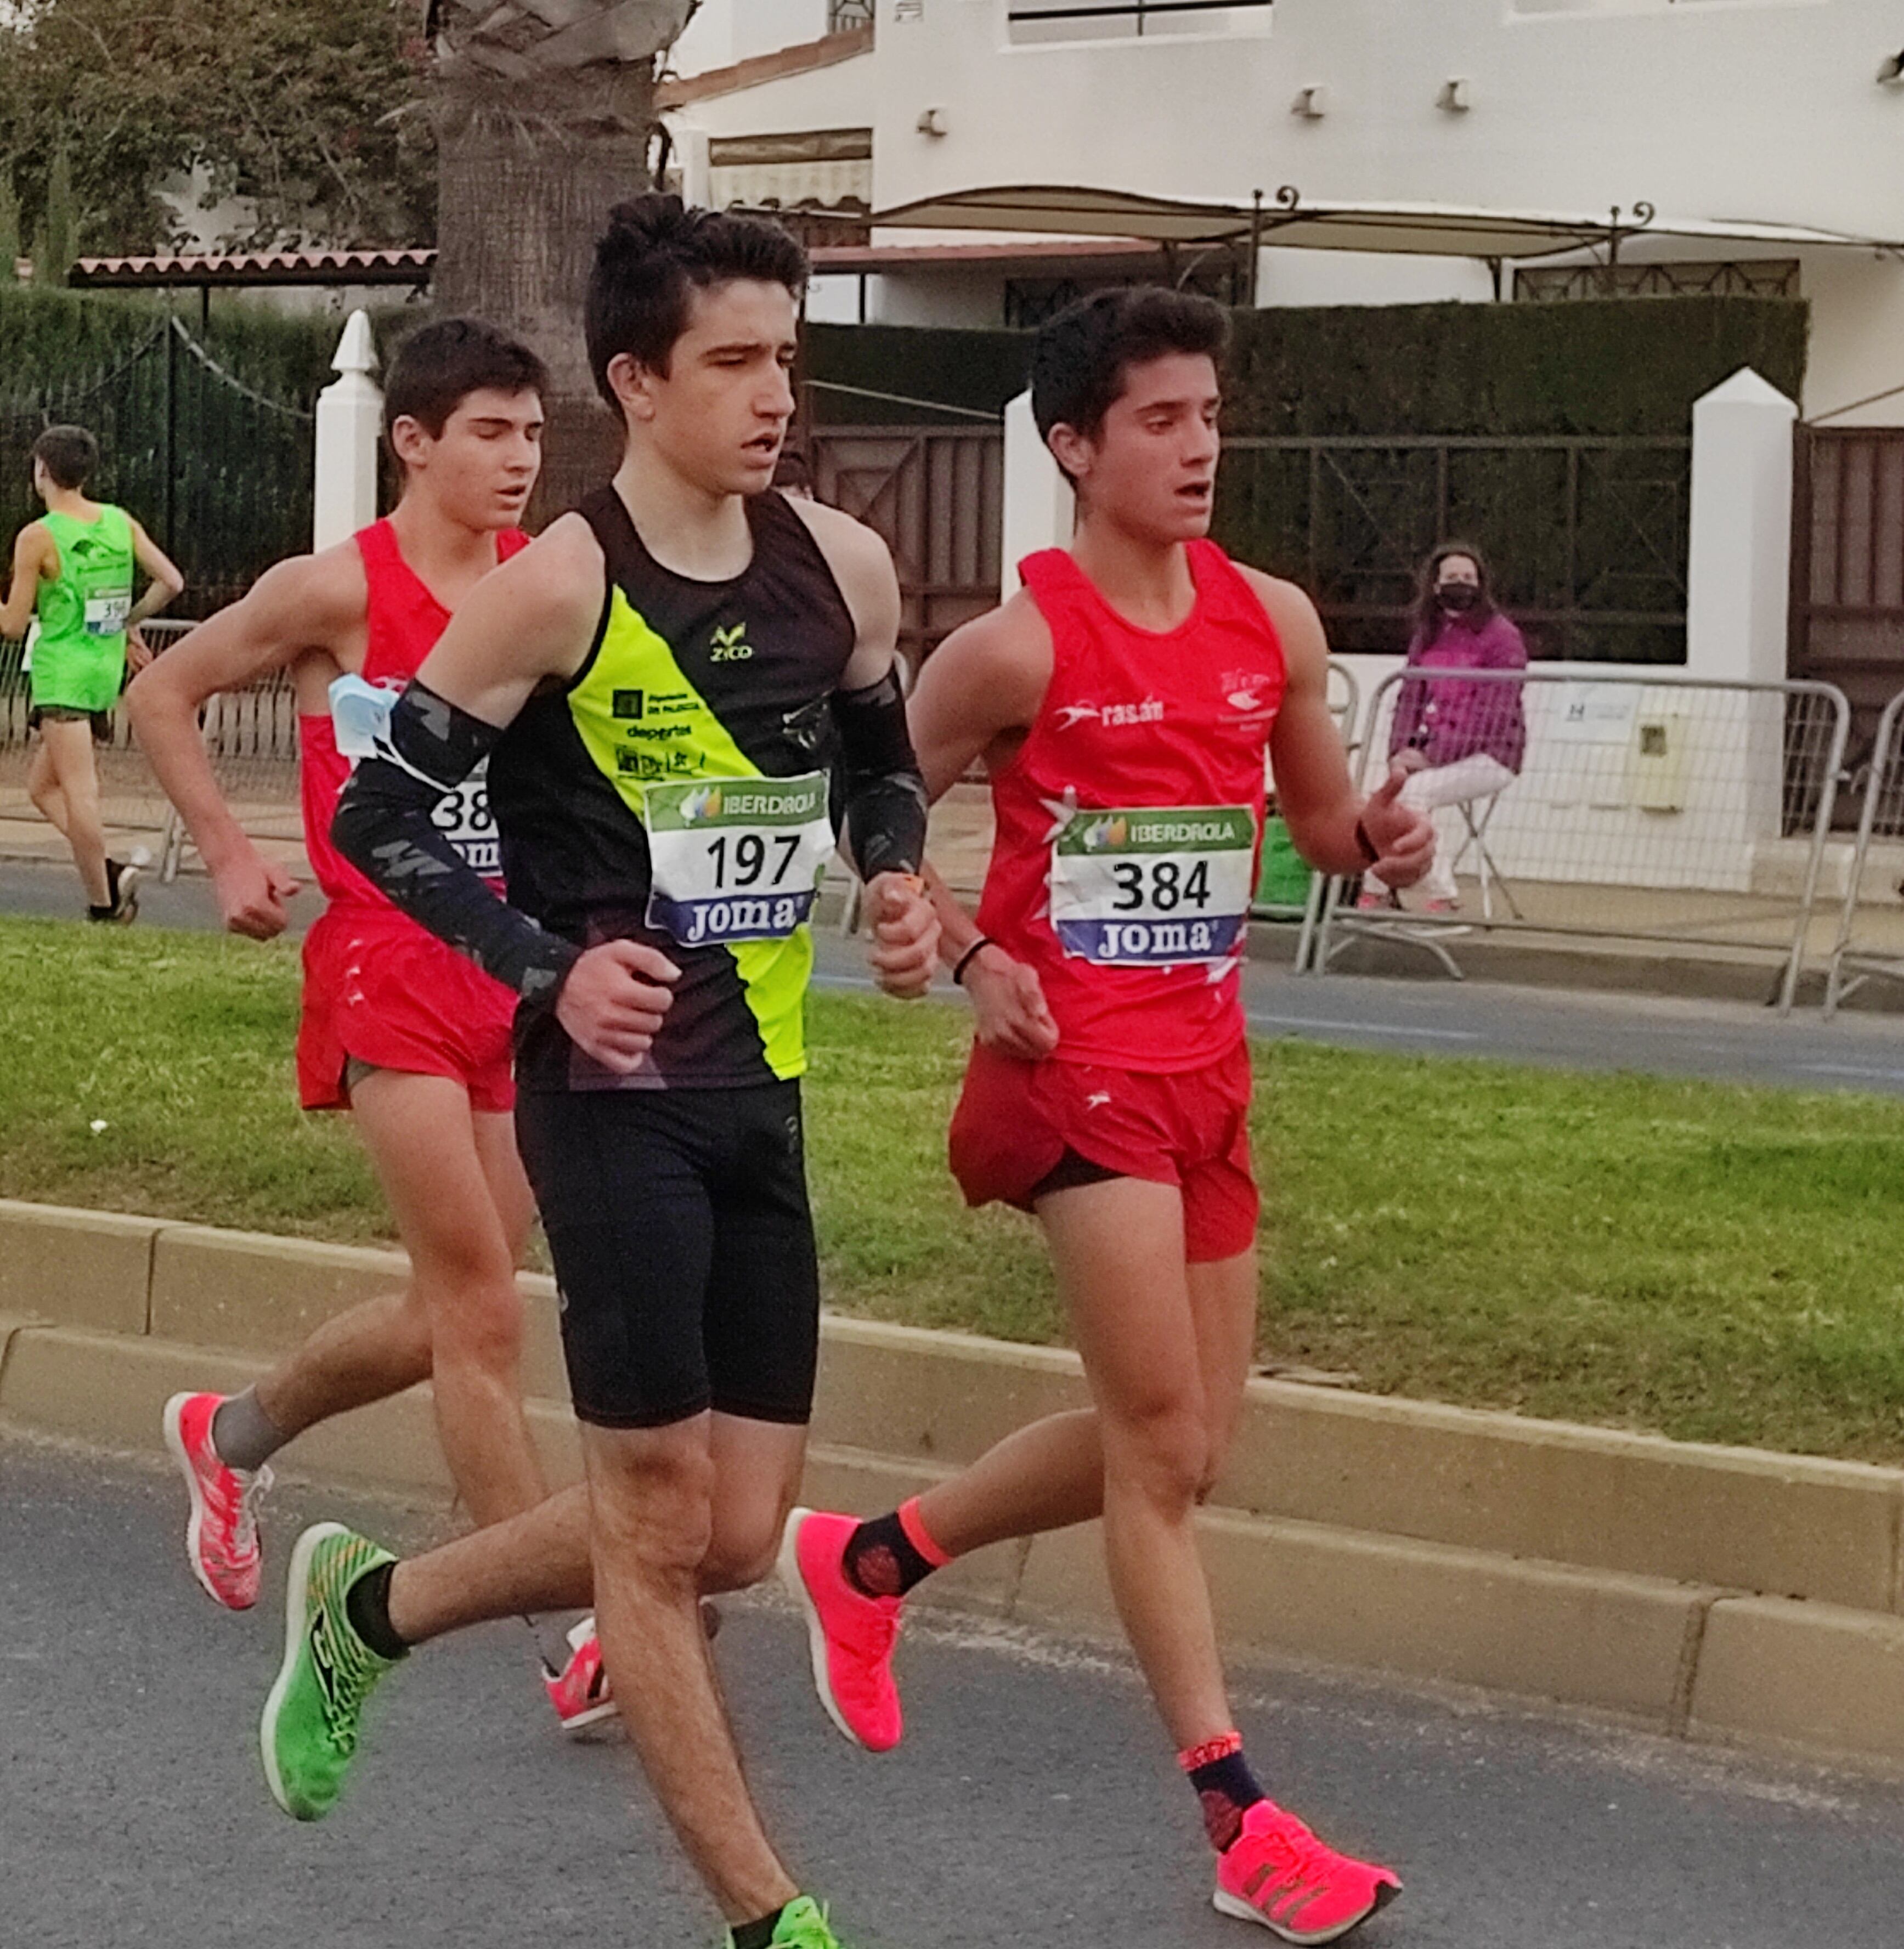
{"x": 68, "y": 454}
{"x": 440, "y": 364}
{"x": 657, "y": 251}
{"x": 1082, "y": 355}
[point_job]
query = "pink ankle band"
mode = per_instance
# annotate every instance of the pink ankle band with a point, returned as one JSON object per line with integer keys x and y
{"x": 919, "y": 1536}
{"x": 1210, "y": 1752}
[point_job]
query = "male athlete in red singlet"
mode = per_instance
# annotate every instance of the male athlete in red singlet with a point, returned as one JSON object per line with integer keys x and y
{"x": 1124, "y": 702}
{"x": 397, "y": 1027}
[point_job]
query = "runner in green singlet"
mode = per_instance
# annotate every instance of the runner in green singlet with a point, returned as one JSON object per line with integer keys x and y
{"x": 74, "y": 569}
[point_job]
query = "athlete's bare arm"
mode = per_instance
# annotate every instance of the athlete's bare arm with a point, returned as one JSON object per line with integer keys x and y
{"x": 979, "y": 694}
{"x": 166, "y": 584}
{"x": 1314, "y": 794}
{"x": 31, "y": 547}
{"x": 307, "y": 613}
{"x": 904, "y": 923}
{"x": 534, "y": 618}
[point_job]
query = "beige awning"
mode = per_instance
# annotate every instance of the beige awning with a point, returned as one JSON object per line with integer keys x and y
{"x": 1285, "y": 220}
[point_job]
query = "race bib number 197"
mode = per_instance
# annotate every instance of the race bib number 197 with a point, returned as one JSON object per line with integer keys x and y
{"x": 736, "y": 858}
{"x": 1149, "y": 886}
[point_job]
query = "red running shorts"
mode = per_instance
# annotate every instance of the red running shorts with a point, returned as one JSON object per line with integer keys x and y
{"x": 1016, "y": 1120}
{"x": 379, "y": 987}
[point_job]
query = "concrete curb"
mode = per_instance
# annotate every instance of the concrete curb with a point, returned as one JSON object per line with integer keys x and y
{"x": 1717, "y": 1593}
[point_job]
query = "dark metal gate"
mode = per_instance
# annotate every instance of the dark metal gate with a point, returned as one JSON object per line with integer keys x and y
{"x": 937, "y": 496}
{"x": 1847, "y": 617}
{"x": 1588, "y": 535}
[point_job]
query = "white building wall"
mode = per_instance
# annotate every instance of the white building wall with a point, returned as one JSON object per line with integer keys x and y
{"x": 723, "y": 32}
{"x": 1767, "y": 110}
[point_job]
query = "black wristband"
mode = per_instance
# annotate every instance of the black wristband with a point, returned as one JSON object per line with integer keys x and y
{"x": 1371, "y": 852}
{"x": 959, "y": 966}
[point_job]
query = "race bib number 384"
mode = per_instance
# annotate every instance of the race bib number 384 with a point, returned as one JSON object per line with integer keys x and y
{"x": 1149, "y": 886}
{"x": 736, "y": 858}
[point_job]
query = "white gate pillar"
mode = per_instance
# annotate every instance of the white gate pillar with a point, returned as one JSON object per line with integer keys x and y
{"x": 1738, "y": 595}
{"x": 349, "y": 421}
{"x": 1039, "y": 507}
{"x": 1738, "y": 577}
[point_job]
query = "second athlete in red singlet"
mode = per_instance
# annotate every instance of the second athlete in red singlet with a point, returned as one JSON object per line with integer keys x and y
{"x": 1125, "y": 703}
{"x": 378, "y": 990}
{"x": 409, "y": 1037}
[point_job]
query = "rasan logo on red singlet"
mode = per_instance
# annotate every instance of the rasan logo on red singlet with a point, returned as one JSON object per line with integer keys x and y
{"x": 1113, "y": 717}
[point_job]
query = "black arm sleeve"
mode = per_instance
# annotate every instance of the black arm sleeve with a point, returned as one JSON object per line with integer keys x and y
{"x": 886, "y": 796}
{"x": 383, "y": 827}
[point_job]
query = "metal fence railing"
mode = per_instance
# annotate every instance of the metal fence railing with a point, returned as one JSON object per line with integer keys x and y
{"x": 251, "y": 734}
{"x": 1622, "y": 806}
{"x": 1870, "y": 939}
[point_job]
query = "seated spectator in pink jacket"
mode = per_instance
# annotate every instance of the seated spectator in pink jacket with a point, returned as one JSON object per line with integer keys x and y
{"x": 1469, "y": 737}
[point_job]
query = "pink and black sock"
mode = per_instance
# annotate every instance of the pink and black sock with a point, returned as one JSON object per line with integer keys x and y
{"x": 889, "y": 1555}
{"x": 1226, "y": 1788}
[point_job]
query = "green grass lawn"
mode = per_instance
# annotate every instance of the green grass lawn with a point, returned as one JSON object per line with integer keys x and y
{"x": 1717, "y": 1264}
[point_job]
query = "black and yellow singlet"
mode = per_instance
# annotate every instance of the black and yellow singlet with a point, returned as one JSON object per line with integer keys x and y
{"x": 701, "y": 713}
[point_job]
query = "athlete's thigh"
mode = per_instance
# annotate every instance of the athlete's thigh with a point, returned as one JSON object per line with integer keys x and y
{"x": 1223, "y": 1306}
{"x": 421, "y": 1134}
{"x": 67, "y": 742}
{"x": 762, "y": 1328}
{"x": 508, "y": 1183}
{"x": 1117, "y": 1248}
{"x": 620, "y": 1180}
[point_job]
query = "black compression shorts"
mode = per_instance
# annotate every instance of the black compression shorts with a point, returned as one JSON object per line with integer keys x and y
{"x": 684, "y": 1251}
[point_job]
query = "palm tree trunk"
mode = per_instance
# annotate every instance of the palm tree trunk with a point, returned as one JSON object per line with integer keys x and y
{"x": 545, "y": 119}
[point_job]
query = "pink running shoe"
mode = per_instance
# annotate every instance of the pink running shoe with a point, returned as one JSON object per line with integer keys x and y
{"x": 851, "y": 1635}
{"x": 1277, "y": 1873}
{"x": 221, "y": 1535}
{"x": 579, "y": 1692}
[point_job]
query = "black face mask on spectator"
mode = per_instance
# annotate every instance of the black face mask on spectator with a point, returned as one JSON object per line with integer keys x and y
{"x": 1457, "y": 597}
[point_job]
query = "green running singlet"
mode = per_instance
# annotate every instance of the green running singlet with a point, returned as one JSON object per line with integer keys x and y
{"x": 79, "y": 658}
{"x": 694, "y": 696}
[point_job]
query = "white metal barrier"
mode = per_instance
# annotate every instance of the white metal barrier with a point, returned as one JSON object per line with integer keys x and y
{"x": 1689, "y": 812}
{"x": 1870, "y": 941}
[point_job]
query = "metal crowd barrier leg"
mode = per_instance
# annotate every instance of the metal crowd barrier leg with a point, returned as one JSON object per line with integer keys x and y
{"x": 1884, "y": 758}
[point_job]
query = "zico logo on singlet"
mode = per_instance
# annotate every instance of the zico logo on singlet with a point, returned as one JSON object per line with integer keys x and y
{"x": 1150, "y": 886}
{"x": 736, "y": 858}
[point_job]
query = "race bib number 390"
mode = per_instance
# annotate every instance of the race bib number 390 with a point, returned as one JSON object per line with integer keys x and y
{"x": 105, "y": 615}
{"x": 736, "y": 858}
{"x": 1148, "y": 887}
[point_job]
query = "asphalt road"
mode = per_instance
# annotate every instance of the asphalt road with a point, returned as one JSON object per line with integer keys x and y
{"x": 1034, "y": 1802}
{"x": 1663, "y": 1035}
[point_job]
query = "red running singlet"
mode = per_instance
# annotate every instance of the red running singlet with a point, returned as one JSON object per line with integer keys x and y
{"x": 1129, "y": 821}
{"x": 404, "y": 620}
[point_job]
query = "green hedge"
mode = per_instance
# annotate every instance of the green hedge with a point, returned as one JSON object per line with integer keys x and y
{"x": 49, "y": 338}
{"x": 1619, "y": 366}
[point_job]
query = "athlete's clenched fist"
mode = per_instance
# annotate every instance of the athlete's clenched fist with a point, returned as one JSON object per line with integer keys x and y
{"x": 612, "y": 1002}
{"x": 905, "y": 935}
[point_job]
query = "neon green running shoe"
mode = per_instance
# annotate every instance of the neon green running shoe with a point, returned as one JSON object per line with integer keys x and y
{"x": 309, "y": 1734}
{"x": 802, "y": 1926}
